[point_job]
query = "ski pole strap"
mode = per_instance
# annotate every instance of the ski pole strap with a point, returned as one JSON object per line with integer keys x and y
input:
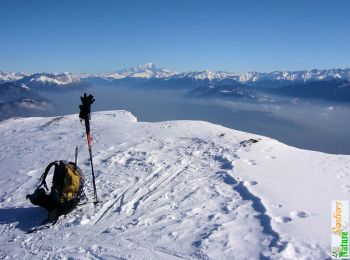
{"x": 43, "y": 176}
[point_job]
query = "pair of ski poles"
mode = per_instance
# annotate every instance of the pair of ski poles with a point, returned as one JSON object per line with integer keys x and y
{"x": 85, "y": 115}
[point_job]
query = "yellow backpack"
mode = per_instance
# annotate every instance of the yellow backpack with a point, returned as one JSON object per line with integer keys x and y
{"x": 67, "y": 181}
{"x": 66, "y": 190}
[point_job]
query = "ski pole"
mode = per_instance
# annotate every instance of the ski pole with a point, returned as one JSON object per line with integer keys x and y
{"x": 76, "y": 156}
{"x": 85, "y": 111}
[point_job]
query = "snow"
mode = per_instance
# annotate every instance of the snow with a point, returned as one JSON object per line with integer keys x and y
{"x": 151, "y": 71}
{"x": 204, "y": 75}
{"x": 248, "y": 77}
{"x": 176, "y": 189}
{"x": 62, "y": 79}
{"x": 146, "y": 71}
{"x": 11, "y": 76}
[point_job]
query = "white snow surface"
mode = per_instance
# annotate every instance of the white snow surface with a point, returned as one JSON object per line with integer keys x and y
{"x": 168, "y": 190}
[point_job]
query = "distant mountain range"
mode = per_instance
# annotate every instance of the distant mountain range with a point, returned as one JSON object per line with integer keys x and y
{"x": 328, "y": 84}
{"x": 150, "y": 72}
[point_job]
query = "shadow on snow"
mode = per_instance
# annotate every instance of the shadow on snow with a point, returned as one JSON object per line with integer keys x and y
{"x": 26, "y": 218}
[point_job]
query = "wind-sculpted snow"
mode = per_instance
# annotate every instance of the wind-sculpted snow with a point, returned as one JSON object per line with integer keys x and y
{"x": 168, "y": 190}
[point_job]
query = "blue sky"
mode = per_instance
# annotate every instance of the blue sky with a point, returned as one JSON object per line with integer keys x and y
{"x": 99, "y": 36}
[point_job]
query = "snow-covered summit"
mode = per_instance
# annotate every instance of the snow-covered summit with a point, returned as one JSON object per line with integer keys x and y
{"x": 176, "y": 189}
{"x": 147, "y": 71}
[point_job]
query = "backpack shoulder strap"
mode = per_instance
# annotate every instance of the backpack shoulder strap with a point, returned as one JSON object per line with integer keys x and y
{"x": 43, "y": 177}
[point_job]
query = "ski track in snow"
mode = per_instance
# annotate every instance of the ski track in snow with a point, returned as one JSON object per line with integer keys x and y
{"x": 166, "y": 190}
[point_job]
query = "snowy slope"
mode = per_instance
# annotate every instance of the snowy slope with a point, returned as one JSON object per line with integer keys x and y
{"x": 177, "y": 189}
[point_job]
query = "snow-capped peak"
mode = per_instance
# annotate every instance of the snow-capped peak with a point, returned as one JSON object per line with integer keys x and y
{"x": 147, "y": 70}
{"x": 146, "y": 66}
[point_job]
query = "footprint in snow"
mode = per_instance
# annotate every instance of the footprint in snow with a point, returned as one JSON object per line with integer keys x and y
{"x": 346, "y": 188}
{"x": 250, "y": 162}
{"x": 107, "y": 231}
{"x": 276, "y": 206}
{"x": 300, "y": 214}
{"x": 342, "y": 175}
{"x": 282, "y": 219}
{"x": 86, "y": 163}
{"x": 174, "y": 235}
{"x": 270, "y": 157}
{"x": 267, "y": 149}
{"x": 250, "y": 183}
